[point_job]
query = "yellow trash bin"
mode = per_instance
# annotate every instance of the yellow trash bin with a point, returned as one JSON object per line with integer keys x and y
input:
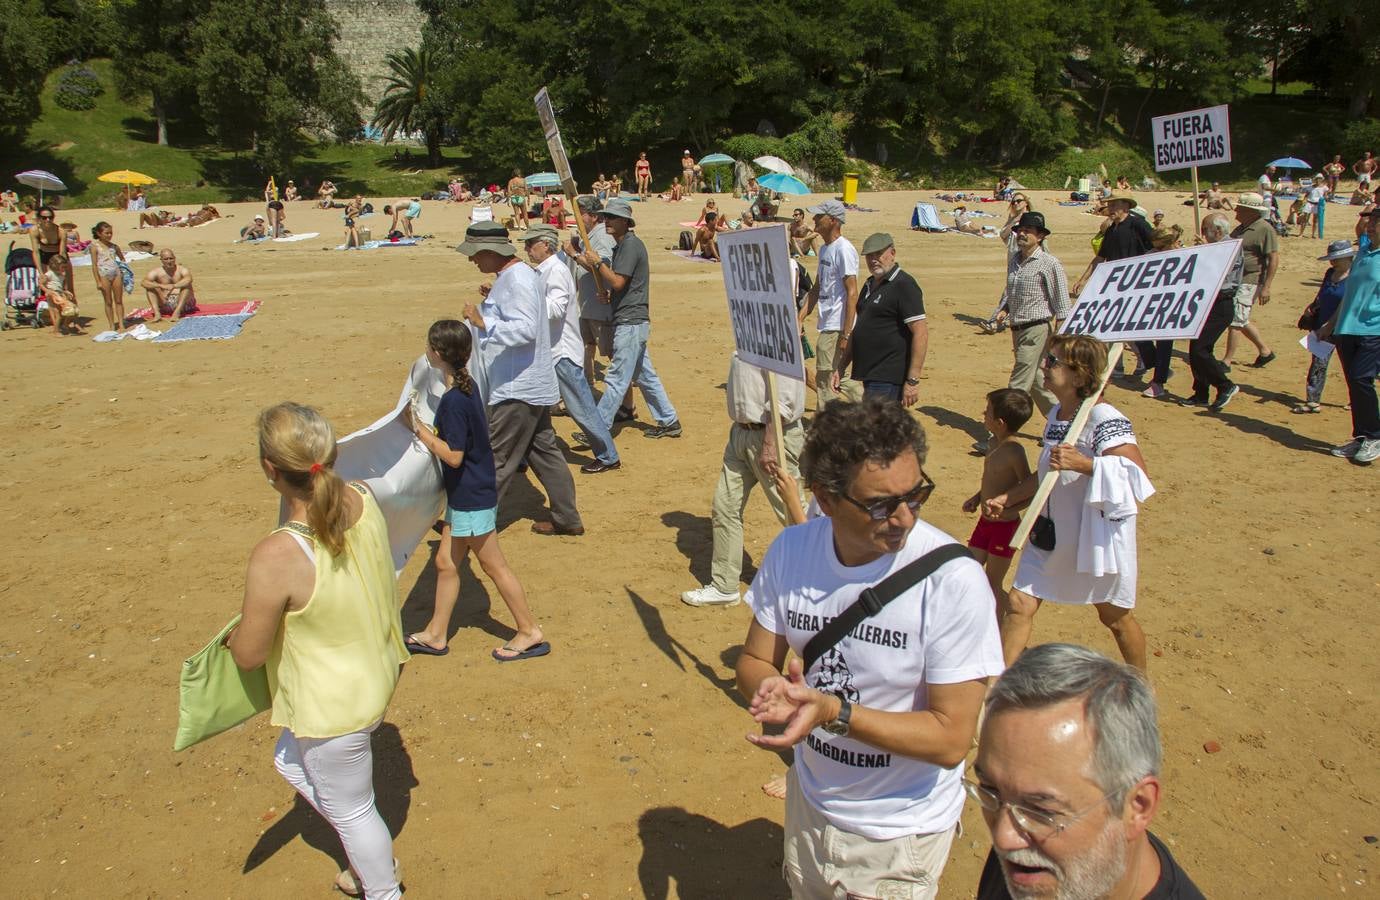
{"x": 850, "y": 187}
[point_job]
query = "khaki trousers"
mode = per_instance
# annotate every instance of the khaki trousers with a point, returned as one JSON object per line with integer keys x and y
{"x": 742, "y": 470}
{"x": 826, "y": 360}
{"x": 1029, "y": 346}
{"x": 824, "y": 862}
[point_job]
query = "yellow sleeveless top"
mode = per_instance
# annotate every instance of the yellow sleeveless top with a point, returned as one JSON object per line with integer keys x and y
{"x": 334, "y": 662}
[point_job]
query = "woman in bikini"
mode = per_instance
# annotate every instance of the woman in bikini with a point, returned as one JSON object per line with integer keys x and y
{"x": 105, "y": 259}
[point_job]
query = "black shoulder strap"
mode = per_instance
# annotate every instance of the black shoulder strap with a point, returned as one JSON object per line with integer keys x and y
{"x": 872, "y": 599}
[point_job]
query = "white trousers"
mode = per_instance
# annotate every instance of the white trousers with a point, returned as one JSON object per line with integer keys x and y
{"x": 336, "y": 776}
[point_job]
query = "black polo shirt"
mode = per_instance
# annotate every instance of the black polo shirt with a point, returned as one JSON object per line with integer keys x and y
{"x": 881, "y": 331}
{"x": 1173, "y": 883}
{"x": 1129, "y": 237}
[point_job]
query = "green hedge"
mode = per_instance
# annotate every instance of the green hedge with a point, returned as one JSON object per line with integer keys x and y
{"x": 77, "y": 88}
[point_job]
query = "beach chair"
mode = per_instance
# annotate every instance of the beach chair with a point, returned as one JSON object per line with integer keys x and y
{"x": 22, "y": 293}
{"x": 925, "y": 218}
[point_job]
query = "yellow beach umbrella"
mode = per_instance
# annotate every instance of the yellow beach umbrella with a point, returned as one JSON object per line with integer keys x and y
{"x": 127, "y": 178}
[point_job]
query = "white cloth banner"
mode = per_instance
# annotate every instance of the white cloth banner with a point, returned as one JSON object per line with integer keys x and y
{"x": 1158, "y": 296}
{"x": 402, "y": 473}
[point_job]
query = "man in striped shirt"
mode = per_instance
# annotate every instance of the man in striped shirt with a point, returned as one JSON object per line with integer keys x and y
{"x": 1036, "y": 299}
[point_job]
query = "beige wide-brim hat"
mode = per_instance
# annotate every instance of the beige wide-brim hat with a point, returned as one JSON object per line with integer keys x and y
{"x": 1252, "y": 200}
{"x": 1124, "y": 196}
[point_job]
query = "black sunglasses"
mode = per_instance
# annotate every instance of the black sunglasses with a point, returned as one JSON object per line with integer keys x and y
{"x": 883, "y": 508}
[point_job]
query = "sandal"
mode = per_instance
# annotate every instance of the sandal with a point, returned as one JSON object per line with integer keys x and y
{"x": 1307, "y": 408}
{"x": 348, "y": 884}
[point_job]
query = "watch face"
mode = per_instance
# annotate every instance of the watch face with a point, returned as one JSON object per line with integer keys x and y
{"x": 836, "y": 728}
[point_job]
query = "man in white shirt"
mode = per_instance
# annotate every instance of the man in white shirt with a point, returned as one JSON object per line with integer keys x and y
{"x": 882, "y": 720}
{"x": 836, "y": 294}
{"x": 750, "y": 458}
{"x": 515, "y": 347}
{"x": 567, "y": 347}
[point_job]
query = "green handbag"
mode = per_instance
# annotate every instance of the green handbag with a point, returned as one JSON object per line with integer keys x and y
{"x": 216, "y": 694}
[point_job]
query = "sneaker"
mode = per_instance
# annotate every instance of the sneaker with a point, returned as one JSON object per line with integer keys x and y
{"x": 1155, "y": 391}
{"x": 1368, "y": 453}
{"x": 1347, "y": 450}
{"x": 625, "y": 415}
{"x": 1224, "y": 397}
{"x": 710, "y": 596}
{"x": 661, "y": 431}
{"x": 1139, "y": 371}
{"x": 1263, "y": 360}
{"x": 580, "y": 441}
{"x": 1194, "y": 401}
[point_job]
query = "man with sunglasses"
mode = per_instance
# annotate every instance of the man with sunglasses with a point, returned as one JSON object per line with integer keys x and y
{"x": 882, "y": 720}
{"x": 1067, "y": 779}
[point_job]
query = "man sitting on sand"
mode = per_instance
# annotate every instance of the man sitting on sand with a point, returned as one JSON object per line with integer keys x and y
{"x": 803, "y": 239}
{"x": 707, "y": 238}
{"x": 290, "y": 192}
{"x": 325, "y": 194}
{"x": 169, "y": 288}
{"x": 1218, "y": 200}
{"x": 257, "y": 231}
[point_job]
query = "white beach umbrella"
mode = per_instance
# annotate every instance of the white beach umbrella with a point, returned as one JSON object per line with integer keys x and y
{"x": 775, "y": 164}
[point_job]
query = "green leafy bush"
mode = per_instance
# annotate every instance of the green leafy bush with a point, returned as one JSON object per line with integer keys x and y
{"x": 751, "y": 146}
{"x": 77, "y": 88}
{"x": 1360, "y": 136}
{"x": 818, "y": 145}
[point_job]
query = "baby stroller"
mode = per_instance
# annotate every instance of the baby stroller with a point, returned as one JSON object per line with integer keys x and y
{"x": 22, "y": 294}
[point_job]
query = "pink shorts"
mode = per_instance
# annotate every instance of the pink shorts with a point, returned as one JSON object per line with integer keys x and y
{"x": 994, "y": 537}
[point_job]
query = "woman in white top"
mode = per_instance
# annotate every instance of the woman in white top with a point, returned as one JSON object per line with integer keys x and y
{"x": 1065, "y": 573}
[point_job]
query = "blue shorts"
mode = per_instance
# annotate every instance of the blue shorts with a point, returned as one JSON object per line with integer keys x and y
{"x": 472, "y": 522}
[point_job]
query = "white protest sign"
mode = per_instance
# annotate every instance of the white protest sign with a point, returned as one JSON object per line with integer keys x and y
{"x": 547, "y": 115}
{"x": 761, "y": 299}
{"x": 1199, "y": 137}
{"x": 1158, "y": 296}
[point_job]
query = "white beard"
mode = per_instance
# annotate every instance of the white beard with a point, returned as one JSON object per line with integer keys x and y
{"x": 1089, "y": 877}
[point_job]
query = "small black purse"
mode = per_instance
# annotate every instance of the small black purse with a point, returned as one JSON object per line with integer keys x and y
{"x": 1042, "y": 532}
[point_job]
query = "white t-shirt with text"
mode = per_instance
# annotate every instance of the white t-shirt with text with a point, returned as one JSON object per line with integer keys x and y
{"x": 837, "y": 261}
{"x": 942, "y": 632}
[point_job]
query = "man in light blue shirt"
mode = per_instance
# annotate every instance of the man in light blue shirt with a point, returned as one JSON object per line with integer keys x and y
{"x": 1356, "y": 332}
{"x": 515, "y": 347}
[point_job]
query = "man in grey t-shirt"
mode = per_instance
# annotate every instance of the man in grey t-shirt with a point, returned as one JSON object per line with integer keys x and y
{"x": 596, "y": 315}
{"x": 625, "y": 275}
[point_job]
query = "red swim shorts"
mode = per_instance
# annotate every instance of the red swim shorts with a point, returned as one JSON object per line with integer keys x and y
{"x": 994, "y": 537}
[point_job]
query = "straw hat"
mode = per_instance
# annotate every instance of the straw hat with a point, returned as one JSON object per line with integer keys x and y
{"x": 1253, "y": 200}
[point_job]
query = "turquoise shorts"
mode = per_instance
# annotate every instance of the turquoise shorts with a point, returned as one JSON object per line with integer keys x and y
{"x": 472, "y": 522}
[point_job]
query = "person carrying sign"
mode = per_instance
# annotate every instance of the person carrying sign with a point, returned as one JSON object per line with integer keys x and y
{"x": 1208, "y": 370}
{"x": 883, "y": 707}
{"x": 1260, "y": 261}
{"x": 1128, "y": 235}
{"x": 750, "y": 458}
{"x": 1082, "y": 549}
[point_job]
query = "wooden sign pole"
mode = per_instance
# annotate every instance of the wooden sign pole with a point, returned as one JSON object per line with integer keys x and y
{"x": 776, "y": 420}
{"x": 1197, "y": 211}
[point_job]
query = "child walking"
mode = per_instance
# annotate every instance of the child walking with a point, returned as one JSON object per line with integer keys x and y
{"x": 1004, "y": 467}
{"x": 1317, "y": 314}
{"x": 105, "y": 259}
{"x": 62, "y": 303}
{"x": 461, "y": 443}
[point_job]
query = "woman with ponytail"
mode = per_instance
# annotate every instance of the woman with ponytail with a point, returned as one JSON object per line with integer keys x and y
{"x": 461, "y": 443}
{"x": 321, "y": 612}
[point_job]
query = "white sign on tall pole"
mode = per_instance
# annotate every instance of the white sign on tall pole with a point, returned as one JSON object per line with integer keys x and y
{"x": 761, "y": 302}
{"x": 1199, "y": 137}
{"x": 1158, "y": 296}
{"x": 547, "y": 115}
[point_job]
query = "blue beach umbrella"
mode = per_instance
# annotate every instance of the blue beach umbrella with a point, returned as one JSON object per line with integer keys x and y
{"x": 715, "y": 159}
{"x": 1290, "y": 162}
{"x": 783, "y": 184}
{"x": 544, "y": 180}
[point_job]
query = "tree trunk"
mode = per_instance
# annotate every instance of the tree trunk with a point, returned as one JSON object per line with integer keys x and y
{"x": 1102, "y": 107}
{"x": 1154, "y": 83}
{"x": 1274, "y": 68}
{"x": 433, "y": 149}
{"x": 161, "y": 115}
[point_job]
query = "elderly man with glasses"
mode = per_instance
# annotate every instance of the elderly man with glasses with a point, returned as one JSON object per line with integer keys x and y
{"x": 1068, "y": 779}
{"x": 881, "y": 699}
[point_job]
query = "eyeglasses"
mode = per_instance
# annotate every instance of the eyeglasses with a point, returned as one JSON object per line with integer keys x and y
{"x": 44, "y": 216}
{"x": 1051, "y": 361}
{"x": 1034, "y": 824}
{"x": 882, "y": 509}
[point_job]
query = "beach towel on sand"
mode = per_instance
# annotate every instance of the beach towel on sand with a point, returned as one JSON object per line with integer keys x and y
{"x": 209, "y": 309}
{"x": 296, "y": 237}
{"x": 130, "y": 256}
{"x": 687, "y": 255}
{"x": 205, "y": 328}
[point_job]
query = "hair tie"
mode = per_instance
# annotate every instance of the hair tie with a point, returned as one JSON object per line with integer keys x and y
{"x": 315, "y": 468}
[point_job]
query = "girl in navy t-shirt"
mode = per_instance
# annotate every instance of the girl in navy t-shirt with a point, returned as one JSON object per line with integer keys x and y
{"x": 461, "y": 443}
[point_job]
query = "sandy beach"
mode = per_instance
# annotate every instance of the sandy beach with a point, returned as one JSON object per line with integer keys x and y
{"x": 617, "y": 766}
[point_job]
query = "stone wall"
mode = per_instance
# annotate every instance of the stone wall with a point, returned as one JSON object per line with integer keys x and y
{"x": 369, "y": 31}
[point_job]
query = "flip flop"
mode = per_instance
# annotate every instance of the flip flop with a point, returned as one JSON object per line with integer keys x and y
{"x": 531, "y": 652}
{"x": 416, "y": 646}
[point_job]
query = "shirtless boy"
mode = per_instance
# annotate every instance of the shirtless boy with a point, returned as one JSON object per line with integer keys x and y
{"x": 707, "y": 237}
{"x": 1005, "y": 467}
{"x": 169, "y": 287}
{"x": 803, "y": 238}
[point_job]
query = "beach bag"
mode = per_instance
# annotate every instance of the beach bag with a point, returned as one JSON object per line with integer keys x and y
{"x": 1081, "y": 196}
{"x": 1309, "y": 320}
{"x": 215, "y": 694}
{"x": 687, "y": 240}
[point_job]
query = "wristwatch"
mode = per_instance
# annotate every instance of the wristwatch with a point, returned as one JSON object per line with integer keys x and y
{"x": 913, "y": 382}
{"x": 839, "y": 727}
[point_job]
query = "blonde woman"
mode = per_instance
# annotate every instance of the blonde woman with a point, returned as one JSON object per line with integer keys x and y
{"x": 321, "y": 612}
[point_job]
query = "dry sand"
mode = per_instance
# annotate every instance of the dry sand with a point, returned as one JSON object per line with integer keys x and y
{"x": 617, "y": 765}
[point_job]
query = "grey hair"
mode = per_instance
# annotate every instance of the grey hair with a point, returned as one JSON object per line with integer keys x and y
{"x": 1217, "y": 224}
{"x": 545, "y": 239}
{"x": 1117, "y": 703}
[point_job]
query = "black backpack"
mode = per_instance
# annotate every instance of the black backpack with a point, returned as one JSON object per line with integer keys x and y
{"x": 687, "y": 240}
